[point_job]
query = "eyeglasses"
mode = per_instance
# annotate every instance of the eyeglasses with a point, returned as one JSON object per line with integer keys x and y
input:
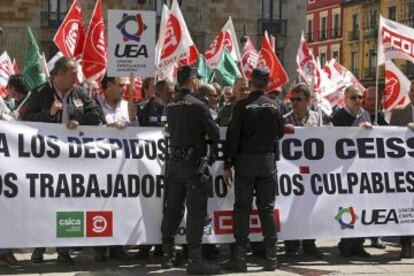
{"x": 354, "y": 98}
{"x": 296, "y": 99}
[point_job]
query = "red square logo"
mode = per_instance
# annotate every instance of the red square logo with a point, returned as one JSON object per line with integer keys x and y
{"x": 99, "y": 224}
{"x": 223, "y": 222}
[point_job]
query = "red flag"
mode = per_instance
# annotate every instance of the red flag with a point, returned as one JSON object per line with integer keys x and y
{"x": 70, "y": 37}
{"x": 272, "y": 40}
{"x": 15, "y": 68}
{"x": 137, "y": 88}
{"x": 226, "y": 38}
{"x": 95, "y": 49}
{"x": 250, "y": 57}
{"x": 268, "y": 58}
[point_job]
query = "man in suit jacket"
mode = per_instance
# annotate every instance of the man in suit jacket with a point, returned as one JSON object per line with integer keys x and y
{"x": 405, "y": 117}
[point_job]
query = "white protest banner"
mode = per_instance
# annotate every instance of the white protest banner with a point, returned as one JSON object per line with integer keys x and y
{"x": 102, "y": 186}
{"x": 131, "y": 43}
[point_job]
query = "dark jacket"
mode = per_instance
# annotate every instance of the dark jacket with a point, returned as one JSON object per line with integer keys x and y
{"x": 80, "y": 107}
{"x": 189, "y": 122}
{"x": 343, "y": 118}
{"x": 151, "y": 114}
{"x": 255, "y": 127}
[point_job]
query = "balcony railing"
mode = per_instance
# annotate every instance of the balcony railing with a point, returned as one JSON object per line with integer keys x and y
{"x": 336, "y": 33}
{"x": 273, "y": 26}
{"x": 309, "y": 37}
{"x": 51, "y": 19}
{"x": 323, "y": 35}
{"x": 354, "y": 35}
{"x": 409, "y": 22}
{"x": 369, "y": 72}
{"x": 371, "y": 32}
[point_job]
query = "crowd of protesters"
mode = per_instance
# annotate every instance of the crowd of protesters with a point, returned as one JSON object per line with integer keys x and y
{"x": 61, "y": 101}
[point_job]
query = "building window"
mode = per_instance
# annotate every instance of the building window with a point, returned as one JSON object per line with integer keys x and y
{"x": 372, "y": 61}
{"x": 56, "y": 12}
{"x": 409, "y": 12}
{"x": 267, "y": 9}
{"x": 336, "y": 26}
{"x": 392, "y": 13}
{"x": 372, "y": 18}
{"x": 323, "y": 28}
{"x": 58, "y": 6}
{"x": 309, "y": 34}
{"x": 354, "y": 63}
{"x": 322, "y": 59}
{"x": 355, "y": 27}
{"x": 335, "y": 55}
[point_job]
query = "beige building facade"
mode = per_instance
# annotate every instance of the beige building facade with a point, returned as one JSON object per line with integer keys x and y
{"x": 285, "y": 19}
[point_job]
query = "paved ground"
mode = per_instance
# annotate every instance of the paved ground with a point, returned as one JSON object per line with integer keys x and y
{"x": 382, "y": 262}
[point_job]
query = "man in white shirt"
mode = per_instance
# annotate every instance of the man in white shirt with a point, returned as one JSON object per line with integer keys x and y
{"x": 116, "y": 111}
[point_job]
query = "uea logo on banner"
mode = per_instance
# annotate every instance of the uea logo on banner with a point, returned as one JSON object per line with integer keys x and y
{"x": 353, "y": 217}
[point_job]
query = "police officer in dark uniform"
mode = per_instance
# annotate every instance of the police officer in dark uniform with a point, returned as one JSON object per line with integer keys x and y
{"x": 250, "y": 147}
{"x": 190, "y": 126}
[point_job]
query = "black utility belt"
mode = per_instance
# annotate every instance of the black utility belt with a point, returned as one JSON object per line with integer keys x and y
{"x": 182, "y": 154}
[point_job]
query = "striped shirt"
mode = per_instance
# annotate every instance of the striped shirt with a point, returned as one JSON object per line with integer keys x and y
{"x": 311, "y": 119}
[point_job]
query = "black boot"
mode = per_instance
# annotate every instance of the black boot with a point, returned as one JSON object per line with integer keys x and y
{"x": 167, "y": 260}
{"x": 270, "y": 263}
{"x": 237, "y": 262}
{"x": 196, "y": 264}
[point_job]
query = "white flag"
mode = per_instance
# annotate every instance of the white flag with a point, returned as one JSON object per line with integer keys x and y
{"x": 395, "y": 41}
{"x": 397, "y": 87}
{"x": 6, "y": 68}
{"x": 177, "y": 40}
{"x": 307, "y": 65}
{"x": 225, "y": 38}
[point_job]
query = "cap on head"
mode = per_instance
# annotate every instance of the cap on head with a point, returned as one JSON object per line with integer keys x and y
{"x": 184, "y": 73}
{"x": 260, "y": 74}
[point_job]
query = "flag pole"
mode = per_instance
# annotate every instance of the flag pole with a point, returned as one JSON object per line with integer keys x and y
{"x": 376, "y": 96}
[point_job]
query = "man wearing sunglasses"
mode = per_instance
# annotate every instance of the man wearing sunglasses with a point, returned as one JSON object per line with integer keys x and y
{"x": 302, "y": 116}
{"x": 352, "y": 115}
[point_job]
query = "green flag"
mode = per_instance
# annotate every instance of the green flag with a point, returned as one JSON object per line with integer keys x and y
{"x": 204, "y": 69}
{"x": 32, "y": 71}
{"x": 227, "y": 68}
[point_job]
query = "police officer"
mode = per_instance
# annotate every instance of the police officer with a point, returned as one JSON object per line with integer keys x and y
{"x": 190, "y": 126}
{"x": 250, "y": 147}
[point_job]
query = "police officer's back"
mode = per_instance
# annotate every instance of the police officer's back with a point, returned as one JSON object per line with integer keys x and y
{"x": 250, "y": 146}
{"x": 190, "y": 125}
